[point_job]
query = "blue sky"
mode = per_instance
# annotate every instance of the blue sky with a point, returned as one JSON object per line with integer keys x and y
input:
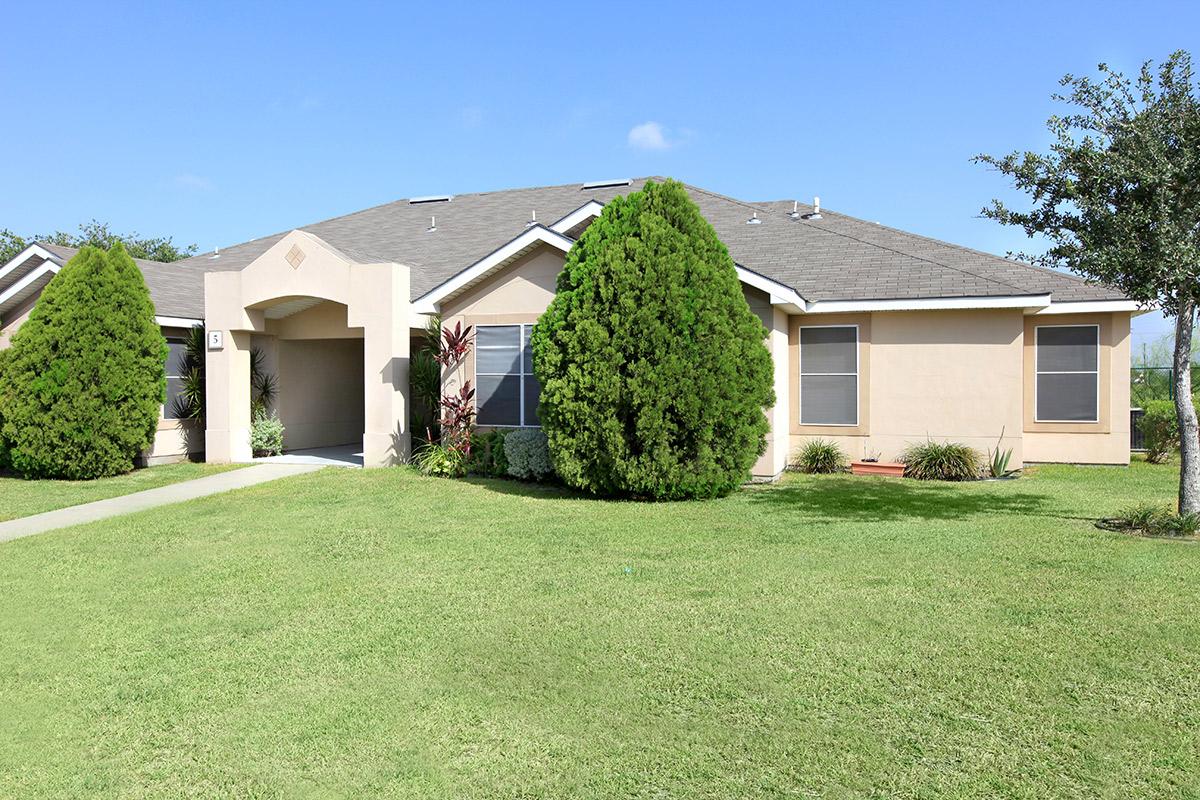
{"x": 215, "y": 123}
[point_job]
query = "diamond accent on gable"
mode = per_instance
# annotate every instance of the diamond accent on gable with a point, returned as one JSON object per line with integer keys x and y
{"x": 295, "y": 256}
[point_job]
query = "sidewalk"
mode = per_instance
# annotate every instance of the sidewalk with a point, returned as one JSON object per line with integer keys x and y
{"x": 151, "y": 498}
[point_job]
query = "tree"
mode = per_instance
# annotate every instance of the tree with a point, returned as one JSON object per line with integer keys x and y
{"x": 85, "y": 376}
{"x": 1118, "y": 197}
{"x": 653, "y": 370}
{"x": 98, "y": 234}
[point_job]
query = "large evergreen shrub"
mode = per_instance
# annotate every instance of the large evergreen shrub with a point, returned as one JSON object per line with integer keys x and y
{"x": 653, "y": 369}
{"x": 84, "y": 381}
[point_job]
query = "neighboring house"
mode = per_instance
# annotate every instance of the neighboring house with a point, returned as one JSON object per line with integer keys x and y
{"x": 880, "y": 337}
{"x": 178, "y": 295}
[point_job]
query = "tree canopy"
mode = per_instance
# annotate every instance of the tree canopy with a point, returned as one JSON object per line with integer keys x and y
{"x": 1118, "y": 198}
{"x": 98, "y": 234}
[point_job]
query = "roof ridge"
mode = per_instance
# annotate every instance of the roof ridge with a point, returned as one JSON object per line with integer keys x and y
{"x": 725, "y": 197}
{"x": 404, "y": 200}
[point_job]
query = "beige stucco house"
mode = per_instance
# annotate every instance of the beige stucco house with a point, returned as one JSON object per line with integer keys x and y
{"x": 879, "y": 337}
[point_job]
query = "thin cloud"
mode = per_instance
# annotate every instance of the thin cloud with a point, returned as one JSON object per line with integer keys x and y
{"x": 656, "y": 136}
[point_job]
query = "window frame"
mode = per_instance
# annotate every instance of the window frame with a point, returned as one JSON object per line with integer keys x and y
{"x": 521, "y": 376}
{"x": 1037, "y": 373}
{"x": 857, "y": 377}
{"x": 167, "y": 411}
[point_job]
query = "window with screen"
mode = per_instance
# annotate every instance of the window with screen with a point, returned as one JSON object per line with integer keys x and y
{"x": 829, "y": 375}
{"x": 176, "y": 406}
{"x": 506, "y": 392}
{"x": 1067, "y": 359}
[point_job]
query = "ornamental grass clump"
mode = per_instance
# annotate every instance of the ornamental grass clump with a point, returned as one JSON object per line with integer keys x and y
{"x": 941, "y": 461}
{"x": 653, "y": 370}
{"x": 819, "y": 456}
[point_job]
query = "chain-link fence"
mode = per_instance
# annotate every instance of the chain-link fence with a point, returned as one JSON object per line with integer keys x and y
{"x": 1156, "y": 383}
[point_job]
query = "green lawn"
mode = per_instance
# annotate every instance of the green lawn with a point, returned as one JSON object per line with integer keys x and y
{"x": 20, "y": 498}
{"x": 360, "y": 633}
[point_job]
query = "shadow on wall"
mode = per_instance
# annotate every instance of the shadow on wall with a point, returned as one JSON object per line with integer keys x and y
{"x": 840, "y": 499}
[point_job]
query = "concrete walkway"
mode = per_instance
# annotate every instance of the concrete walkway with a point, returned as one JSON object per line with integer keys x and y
{"x": 151, "y": 498}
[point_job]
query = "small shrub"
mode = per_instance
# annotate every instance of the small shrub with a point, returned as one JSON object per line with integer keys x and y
{"x": 1160, "y": 430}
{"x": 1152, "y": 519}
{"x": 998, "y": 459}
{"x": 438, "y": 460}
{"x": 487, "y": 455}
{"x": 941, "y": 461}
{"x": 821, "y": 457}
{"x": 1143, "y": 516}
{"x": 266, "y": 434}
{"x": 528, "y": 455}
{"x": 1179, "y": 525}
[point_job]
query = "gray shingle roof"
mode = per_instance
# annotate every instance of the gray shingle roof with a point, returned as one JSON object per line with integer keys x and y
{"x": 177, "y": 290}
{"x": 834, "y": 258}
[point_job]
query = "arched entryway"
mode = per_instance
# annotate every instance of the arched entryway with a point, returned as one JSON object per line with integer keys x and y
{"x": 336, "y": 333}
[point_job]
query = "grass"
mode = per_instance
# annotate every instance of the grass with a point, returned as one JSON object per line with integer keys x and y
{"x": 20, "y": 498}
{"x": 375, "y": 633}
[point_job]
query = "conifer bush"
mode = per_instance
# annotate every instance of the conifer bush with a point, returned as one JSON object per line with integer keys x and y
{"x": 653, "y": 369}
{"x": 84, "y": 380}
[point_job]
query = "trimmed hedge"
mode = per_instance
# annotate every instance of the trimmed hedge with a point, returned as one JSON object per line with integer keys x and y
{"x": 84, "y": 381}
{"x": 653, "y": 369}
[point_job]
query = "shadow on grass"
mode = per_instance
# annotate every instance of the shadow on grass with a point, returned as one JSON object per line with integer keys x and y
{"x": 838, "y": 499}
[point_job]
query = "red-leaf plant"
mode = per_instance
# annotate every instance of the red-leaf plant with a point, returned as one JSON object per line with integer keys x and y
{"x": 458, "y": 408}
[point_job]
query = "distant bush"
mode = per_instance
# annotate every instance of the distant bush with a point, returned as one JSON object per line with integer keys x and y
{"x": 1160, "y": 430}
{"x": 266, "y": 434}
{"x": 85, "y": 378}
{"x": 528, "y": 455}
{"x": 819, "y": 456}
{"x": 941, "y": 461}
{"x": 487, "y": 454}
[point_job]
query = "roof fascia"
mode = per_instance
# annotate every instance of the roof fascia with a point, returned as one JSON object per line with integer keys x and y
{"x": 589, "y": 210}
{"x": 1092, "y": 307}
{"x": 47, "y": 268}
{"x": 1026, "y": 301}
{"x": 26, "y": 254}
{"x": 428, "y": 303}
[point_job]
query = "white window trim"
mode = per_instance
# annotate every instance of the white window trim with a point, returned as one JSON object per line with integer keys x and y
{"x": 1037, "y": 373}
{"x": 800, "y": 379}
{"x": 520, "y": 326}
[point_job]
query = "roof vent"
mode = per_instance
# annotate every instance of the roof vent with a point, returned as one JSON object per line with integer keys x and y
{"x": 432, "y": 225}
{"x": 795, "y": 212}
{"x": 532, "y": 219}
{"x": 216, "y": 253}
{"x": 433, "y": 198}
{"x": 606, "y": 184}
{"x": 754, "y": 220}
{"x": 816, "y": 212}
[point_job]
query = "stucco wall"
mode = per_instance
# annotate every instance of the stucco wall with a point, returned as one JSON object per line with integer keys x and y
{"x": 965, "y": 376}
{"x": 320, "y": 400}
{"x": 14, "y": 319}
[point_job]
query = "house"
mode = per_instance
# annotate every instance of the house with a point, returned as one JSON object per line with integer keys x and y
{"x": 879, "y": 337}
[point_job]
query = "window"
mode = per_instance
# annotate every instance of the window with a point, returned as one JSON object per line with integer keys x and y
{"x": 175, "y": 407}
{"x": 829, "y": 375}
{"x": 506, "y": 392}
{"x": 1067, "y": 373}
